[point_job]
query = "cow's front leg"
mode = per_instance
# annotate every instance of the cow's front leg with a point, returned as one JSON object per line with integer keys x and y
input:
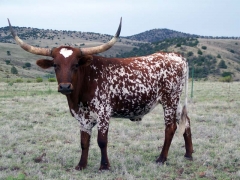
{"x": 102, "y": 143}
{"x": 85, "y": 141}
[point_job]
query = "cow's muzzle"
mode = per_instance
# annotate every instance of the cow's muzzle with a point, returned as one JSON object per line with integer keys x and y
{"x": 65, "y": 88}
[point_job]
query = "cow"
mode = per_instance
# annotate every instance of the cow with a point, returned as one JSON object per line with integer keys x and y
{"x": 98, "y": 88}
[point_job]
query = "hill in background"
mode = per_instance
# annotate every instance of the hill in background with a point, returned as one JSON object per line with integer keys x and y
{"x": 213, "y": 58}
{"x": 156, "y": 35}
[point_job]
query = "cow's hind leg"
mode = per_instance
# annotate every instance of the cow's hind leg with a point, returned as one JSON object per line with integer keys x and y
{"x": 187, "y": 135}
{"x": 85, "y": 141}
{"x": 102, "y": 143}
{"x": 188, "y": 144}
{"x": 169, "y": 132}
{"x": 170, "y": 121}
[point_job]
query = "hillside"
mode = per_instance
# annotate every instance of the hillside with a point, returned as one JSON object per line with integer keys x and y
{"x": 156, "y": 35}
{"x": 218, "y": 57}
{"x": 9, "y": 51}
{"x": 53, "y": 38}
{"x": 212, "y": 59}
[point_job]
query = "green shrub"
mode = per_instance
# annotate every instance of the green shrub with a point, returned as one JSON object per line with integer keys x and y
{"x": 226, "y": 79}
{"x": 28, "y": 64}
{"x": 204, "y": 47}
{"x": 189, "y": 53}
{"x": 14, "y": 70}
{"x": 218, "y": 56}
{"x": 199, "y": 52}
{"x": 178, "y": 45}
{"x": 225, "y": 74}
{"x": 222, "y": 64}
{"x": 39, "y": 79}
{"x": 7, "y": 62}
{"x": 52, "y": 80}
{"x": 19, "y": 81}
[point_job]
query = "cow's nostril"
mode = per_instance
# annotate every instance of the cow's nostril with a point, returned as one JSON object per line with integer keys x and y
{"x": 65, "y": 88}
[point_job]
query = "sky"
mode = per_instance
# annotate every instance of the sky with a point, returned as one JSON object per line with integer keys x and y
{"x": 201, "y": 17}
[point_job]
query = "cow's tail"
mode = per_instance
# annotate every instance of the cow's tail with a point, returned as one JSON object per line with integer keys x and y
{"x": 183, "y": 120}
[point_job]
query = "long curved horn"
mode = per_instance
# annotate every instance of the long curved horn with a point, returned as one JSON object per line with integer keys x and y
{"x": 29, "y": 48}
{"x": 103, "y": 47}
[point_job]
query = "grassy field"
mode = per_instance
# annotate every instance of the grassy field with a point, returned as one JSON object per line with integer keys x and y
{"x": 40, "y": 140}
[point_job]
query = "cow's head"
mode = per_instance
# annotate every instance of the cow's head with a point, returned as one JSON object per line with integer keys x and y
{"x": 66, "y": 60}
{"x": 66, "y": 63}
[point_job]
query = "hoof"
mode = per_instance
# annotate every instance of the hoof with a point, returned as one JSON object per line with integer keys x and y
{"x": 161, "y": 161}
{"x": 79, "y": 168}
{"x": 137, "y": 119}
{"x": 105, "y": 167}
{"x": 190, "y": 158}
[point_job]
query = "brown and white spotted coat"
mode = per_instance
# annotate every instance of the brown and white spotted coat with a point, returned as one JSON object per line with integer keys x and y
{"x": 99, "y": 88}
{"x": 130, "y": 88}
{"x": 121, "y": 87}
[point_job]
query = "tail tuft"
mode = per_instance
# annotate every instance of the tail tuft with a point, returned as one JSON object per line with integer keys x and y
{"x": 183, "y": 123}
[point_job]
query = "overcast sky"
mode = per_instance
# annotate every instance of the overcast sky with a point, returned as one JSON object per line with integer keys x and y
{"x": 201, "y": 17}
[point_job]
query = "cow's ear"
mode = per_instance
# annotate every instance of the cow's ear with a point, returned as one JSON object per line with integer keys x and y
{"x": 44, "y": 63}
{"x": 85, "y": 60}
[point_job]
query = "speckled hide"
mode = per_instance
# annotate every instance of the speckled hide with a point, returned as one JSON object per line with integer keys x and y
{"x": 130, "y": 88}
{"x": 99, "y": 88}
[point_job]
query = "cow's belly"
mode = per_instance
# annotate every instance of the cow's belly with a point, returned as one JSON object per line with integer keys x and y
{"x": 133, "y": 111}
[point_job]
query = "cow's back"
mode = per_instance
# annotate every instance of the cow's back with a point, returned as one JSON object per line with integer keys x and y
{"x": 133, "y": 86}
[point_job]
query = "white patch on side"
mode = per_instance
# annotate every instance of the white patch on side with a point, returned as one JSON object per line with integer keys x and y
{"x": 66, "y": 52}
{"x": 84, "y": 126}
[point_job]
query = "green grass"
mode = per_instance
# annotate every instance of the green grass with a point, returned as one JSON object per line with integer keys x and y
{"x": 35, "y": 121}
{"x": 13, "y": 89}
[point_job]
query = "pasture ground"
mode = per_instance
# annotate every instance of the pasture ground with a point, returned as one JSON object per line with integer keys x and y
{"x": 40, "y": 140}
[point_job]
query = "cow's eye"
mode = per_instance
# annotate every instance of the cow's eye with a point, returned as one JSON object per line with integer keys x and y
{"x": 76, "y": 66}
{"x": 55, "y": 66}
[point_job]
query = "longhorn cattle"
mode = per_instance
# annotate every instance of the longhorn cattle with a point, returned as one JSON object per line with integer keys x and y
{"x": 98, "y": 88}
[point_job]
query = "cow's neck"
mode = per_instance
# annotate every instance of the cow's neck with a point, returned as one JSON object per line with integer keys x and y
{"x": 76, "y": 95}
